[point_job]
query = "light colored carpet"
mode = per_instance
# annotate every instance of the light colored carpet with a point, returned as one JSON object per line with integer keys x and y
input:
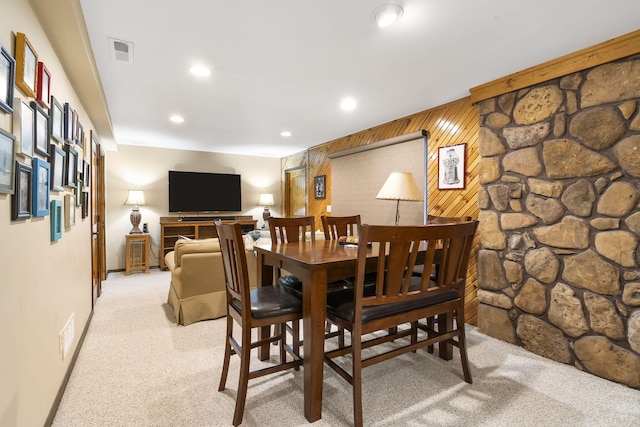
{"x": 137, "y": 368}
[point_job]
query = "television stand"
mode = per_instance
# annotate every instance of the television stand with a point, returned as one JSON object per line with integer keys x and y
{"x": 195, "y": 227}
{"x": 206, "y": 218}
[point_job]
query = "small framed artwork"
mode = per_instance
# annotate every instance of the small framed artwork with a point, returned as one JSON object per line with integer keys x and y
{"x": 71, "y": 178}
{"x": 40, "y": 186}
{"x": 80, "y": 135}
{"x": 7, "y": 80}
{"x": 79, "y": 193}
{"x": 86, "y": 174}
{"x": 56, "y": 220}
{"x": 58, "y": 164}
{"x": 68, "y": 123}
{"x": 23, "y": 127}
{"x": 452, "y": 167}
{"x": 26, "y": 66}
{"x": 41, "y": 130}
{"x": 21, "y": 200}
{"x": 7, "y": 162}
{"x": 319, "y": 187}
{"x": 56, "y": 119}
{"x": 85, "y": 204}
{"x": 69, "y": 210}
{"x": 44, "y": 85}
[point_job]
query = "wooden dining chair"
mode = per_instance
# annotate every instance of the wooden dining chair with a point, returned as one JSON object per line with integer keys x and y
{"x": 250, "y": 309}
{"x": 336, "y": 226}
{"x": 401, "y": 298}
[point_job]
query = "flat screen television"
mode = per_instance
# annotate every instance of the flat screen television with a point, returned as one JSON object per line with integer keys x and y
{"x": 204, "y": 192}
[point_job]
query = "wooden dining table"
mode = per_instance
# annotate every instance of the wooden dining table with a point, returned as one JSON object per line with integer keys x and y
{"x": 315, "y": 264}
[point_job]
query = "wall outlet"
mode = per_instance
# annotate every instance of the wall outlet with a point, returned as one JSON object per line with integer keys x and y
{"x": 67, "y": 334}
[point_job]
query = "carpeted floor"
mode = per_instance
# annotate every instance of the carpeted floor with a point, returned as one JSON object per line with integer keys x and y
{"x": 137, "y": 368}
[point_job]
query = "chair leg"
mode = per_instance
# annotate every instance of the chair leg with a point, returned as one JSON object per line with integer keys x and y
{"x": 356, "y": 356}
{"x": 243, "y": 381}
{"x": 462, "y": 345}
{"x": 227, "y": 354}
{"x": 430, "y": 327}
{"x": 282, "y": 328}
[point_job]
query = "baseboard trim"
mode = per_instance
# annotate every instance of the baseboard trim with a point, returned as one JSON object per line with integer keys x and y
{"x": 65, "y": 381}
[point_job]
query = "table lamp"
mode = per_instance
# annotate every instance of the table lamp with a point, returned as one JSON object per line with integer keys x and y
{"x": 135, "y": 198}
{"x": 400, "y": 186}
{"x": 266, "y": 200}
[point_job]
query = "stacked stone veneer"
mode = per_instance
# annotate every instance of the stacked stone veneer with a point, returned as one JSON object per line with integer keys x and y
{"x": 558, "y": 269}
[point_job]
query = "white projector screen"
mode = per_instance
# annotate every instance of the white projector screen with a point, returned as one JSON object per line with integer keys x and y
{"x": 357, "y": 178}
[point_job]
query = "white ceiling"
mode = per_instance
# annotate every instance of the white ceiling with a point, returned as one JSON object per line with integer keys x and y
{"x": 286, "y": 64}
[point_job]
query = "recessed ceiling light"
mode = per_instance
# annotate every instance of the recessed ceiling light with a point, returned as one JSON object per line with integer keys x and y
{"x": 176, "y": 119}
{"x": 348, "y": 104}
{"x": 200, "y": 71}
{"x": 387, "y": 14}
{"x": 285, "y": 133}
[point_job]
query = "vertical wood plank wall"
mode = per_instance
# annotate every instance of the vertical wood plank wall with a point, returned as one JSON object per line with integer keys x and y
{"x": 449, "y": 124}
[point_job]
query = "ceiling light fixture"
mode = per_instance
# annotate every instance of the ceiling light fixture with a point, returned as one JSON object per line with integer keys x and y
{"x": 200, "y": 71}
{"x": 176, "y": 119}
{"x": 285, "y": 133}
{"x": 387, "y": 14}
{"x": 348, "y": 104}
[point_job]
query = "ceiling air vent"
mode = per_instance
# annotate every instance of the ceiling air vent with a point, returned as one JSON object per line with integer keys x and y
{"x": 121, "y": 50}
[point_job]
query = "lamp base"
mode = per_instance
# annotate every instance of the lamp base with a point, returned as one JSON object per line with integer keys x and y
{"x": 135, "y": 218}
{"x": 265, "y": 216}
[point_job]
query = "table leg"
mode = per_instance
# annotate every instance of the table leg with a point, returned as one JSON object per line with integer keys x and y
{"x": 264, "y": 278}
{"x": 314, "y": 288}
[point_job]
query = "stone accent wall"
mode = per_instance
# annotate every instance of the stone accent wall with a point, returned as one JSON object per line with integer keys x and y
{"x": 559, "y": 265}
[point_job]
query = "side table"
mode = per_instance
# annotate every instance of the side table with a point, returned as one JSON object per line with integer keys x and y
{"x": 137, "y": 253}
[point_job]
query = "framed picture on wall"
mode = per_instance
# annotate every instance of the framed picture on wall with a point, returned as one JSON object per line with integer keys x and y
{"x": 7, "y": 164}
{"x": 23, "y": 127}
{"x": 21, "y": 200}
{"x": 40, "y": 185}
{"x": 44, "y": 85}
{"x": 319, "y": 187}
{"x": 41, "y": 130}
{"x": 56, "y": 220}
{"x": 69, "y": 210}
{"x": 69, "y": 132}
{"x": 26, "y": 66}
{"x": 71, "y": 179}
{"x": 56, "y": 119}
{"x": 7, "y": 80}
{"x": 452, "y": 164}
{"x": 58, "y": 163}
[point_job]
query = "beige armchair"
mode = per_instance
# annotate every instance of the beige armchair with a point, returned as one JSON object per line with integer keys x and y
{"x": 197, "y": 291}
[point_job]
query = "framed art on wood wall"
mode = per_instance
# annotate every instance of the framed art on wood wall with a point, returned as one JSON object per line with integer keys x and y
{"x": 40, "y": 185}
{"x": 21, "y": 199}
{"x": 452, "y": 165}
{"x": 7, "y": 80}
{"x": 56, "y": 220}
{"x": 44, "y": 85}
{"x": 7, "y": 162}
{"x": 319, "y": 187}
{"x": 26, "y": 66}
{"x": 58, "y": 163}
{"x": 56, "y": 119}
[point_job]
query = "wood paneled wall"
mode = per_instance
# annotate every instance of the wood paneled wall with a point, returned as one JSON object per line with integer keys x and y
{"x": 449, "y": 124}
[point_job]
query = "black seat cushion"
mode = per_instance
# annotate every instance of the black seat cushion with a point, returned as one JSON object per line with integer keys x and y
{"x": 340, "y": 304}
{"x": 269, "y": 301}
{"x": 294, "y": 285}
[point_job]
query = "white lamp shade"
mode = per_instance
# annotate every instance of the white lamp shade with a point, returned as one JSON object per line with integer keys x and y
{"x": 400, "y": 186}
{"x": 266, "y": 199}
{"x": 135, "y": 197}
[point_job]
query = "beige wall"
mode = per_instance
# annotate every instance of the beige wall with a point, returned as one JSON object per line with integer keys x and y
{"x": 42, "y": 283}
{"x": 147, "y": 169}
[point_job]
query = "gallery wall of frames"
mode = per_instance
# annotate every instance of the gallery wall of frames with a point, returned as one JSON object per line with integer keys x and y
{"x": 44, "y": 153}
